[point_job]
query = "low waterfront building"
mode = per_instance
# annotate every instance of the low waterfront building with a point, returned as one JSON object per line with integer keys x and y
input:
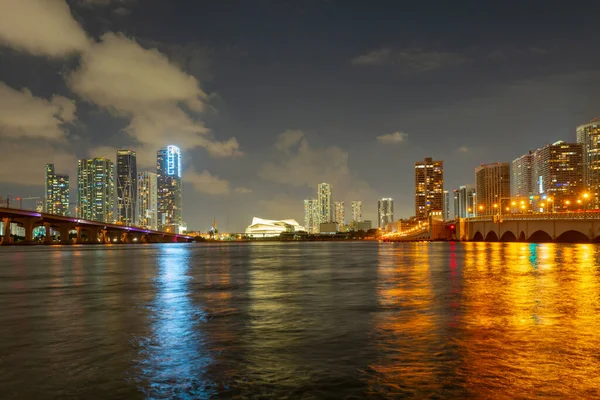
{"x": 260, "y": 227}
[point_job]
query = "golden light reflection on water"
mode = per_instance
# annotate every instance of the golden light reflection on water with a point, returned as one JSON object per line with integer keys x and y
{"x": 531, "y": 324}
{"x": 405, "y": 326}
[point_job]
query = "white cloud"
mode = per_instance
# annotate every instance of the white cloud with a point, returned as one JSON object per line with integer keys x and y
{"x": 23, "y": 115}
{"x": 462, "y": 149}
{"x": 376, "y": 57}
{"x": 243, "y": 190}
{"x": 392, "y": 138}
{"x": 410, "y": 61}
{"x": 301, "y": 165}
{"x": 288, "y": 139}
{"x": 205, "y": 182}
{"x": 142, "y": 84}
{"x": 16, "y": 170}
{"x": 41, "y": 27}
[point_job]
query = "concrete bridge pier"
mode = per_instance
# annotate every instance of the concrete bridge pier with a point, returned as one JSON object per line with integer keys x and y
{"x": 6, "y": 239}
{"x": 28, "y": 225}
{"x": 48, "y": 237}
{"x": 64, "y": 233}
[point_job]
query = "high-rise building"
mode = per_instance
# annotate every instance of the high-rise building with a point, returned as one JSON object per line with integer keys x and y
{"x": 324, "y": 199}
{"x": 356, "y": 211}
{"x": 492, "y": 185}
{"x": 385, "y": 209}
{"x": 464, "y": 202}
{"x": 589, "y": 136}
{"x": 168, "y": 168}
{"x": 429, "y": 187}
{"x": 147, "y": 200}
{"x": 311, "y": 216}
{"x": 521, "y": 183}
{"x": 126, "y": 187}
{"x": 95, "y": 189}
{"x": 557, "y": 175}
{"x": 446, "y": 204}
{"x": 340, "y": 214}
{"x": 57, "y": 192}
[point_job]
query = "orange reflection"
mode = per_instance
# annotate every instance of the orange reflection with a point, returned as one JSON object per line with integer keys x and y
{"x": 531, "y": 322}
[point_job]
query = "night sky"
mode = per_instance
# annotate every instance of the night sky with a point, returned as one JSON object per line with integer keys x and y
{"x": 269, "y": 98}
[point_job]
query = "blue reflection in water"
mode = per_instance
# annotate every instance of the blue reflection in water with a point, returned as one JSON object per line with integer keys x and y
{"x": 174, "y": 359}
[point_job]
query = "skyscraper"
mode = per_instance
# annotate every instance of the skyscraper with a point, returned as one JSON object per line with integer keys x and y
{"x": 557, "y": 173}
{"x": 492, "y": 184}
{"x": 340, "y": 213}
{"x": 147, "y": 200}
{"x": 464, "y": 202}
{"x": 446, "y": 204}
{"x": 385, "y": 210}
{"x": 521, "y": 184}
{"x": 95, "y": 189}
{"x": 57, "y": 192}
{"x": 324, "y": 200}
{"x": 356, "y": 211}
{"x": 311, "y": 216}
{"x": 589, "y": 136}
{"x": 126, "y": 186}
{"x": 168, "y": 168}
{"x": 429, "y": 187}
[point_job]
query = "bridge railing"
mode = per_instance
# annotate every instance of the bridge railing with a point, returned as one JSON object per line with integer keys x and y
{"x": 539, "y": 216}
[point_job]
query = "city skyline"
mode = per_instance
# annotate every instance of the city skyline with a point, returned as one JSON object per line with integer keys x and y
{"x": 466, "y": 99}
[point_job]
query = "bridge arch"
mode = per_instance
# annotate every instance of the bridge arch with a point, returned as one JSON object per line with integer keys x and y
{"x": 478, "y": 237}
{"x": 540, "y": 237}
{"x": 508, "y": 236}
{"x": 491, "y": 237}
{"x": 522, "y": 236}
{"x": 572, "y": 236}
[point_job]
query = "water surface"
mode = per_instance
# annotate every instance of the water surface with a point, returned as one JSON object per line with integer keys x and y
{"x": 300, "y": 321}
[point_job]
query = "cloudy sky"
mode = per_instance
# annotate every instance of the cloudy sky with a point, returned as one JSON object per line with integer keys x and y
{"x": 267, "y": 98}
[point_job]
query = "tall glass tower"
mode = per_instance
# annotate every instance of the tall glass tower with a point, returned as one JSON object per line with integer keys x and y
{"x": 57, "y": 192}
{"x": 589, "y": 136}
{"x": 324, "y": 202}
{"x": 147, "y": 202}
{"x": 95, "y": 190}
{"x": 168, "y": 169}
{"x": 126, "y": 187}
{"x": 385, "y": 211}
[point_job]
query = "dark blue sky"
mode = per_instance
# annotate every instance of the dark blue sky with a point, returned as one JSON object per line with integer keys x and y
{"x": 466, "y": 82}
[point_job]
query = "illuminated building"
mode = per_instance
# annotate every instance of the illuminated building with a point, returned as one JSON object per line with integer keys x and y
{"x": 589, "y": 136}
{"x": 57, "y": 192}
{"x": 464, "y": 202}
{"x": 429, "y": 187}
{"x": 261, "y": 227}
{"x": 356, "y": 211}
{"x": 557, "y": 171}
{"x": 311, "y": 216}
{"x": 168, "y": 169}
{"x": 521, "y": 182}
{"x": 446, "y": 204}
{"x": 385, "y": 210}
{"x": 340, "y": 214}
{"x": 492, "y": 185}
{"x": 126, "y": 186}
{"x": 147, "y": 200}
{"x": 95, "y": 189}
{"x": 324, "y": 202}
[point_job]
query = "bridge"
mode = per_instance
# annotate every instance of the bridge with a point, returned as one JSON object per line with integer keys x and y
{"x": 574, "y": 227}
{"x": 88, "y": 232}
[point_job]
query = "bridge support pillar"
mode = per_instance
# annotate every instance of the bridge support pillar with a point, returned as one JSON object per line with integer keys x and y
{"x": 79, "y": 238}
{"x": 6, "y": 239}
{"x": 28, "y": 227}
{"x": 48, "y": 237}
{"x": 126, "y": 237}
{"x": 64, "y": 233}
{"x": 104, "y": 236}
{"x": 92, "y": 235}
